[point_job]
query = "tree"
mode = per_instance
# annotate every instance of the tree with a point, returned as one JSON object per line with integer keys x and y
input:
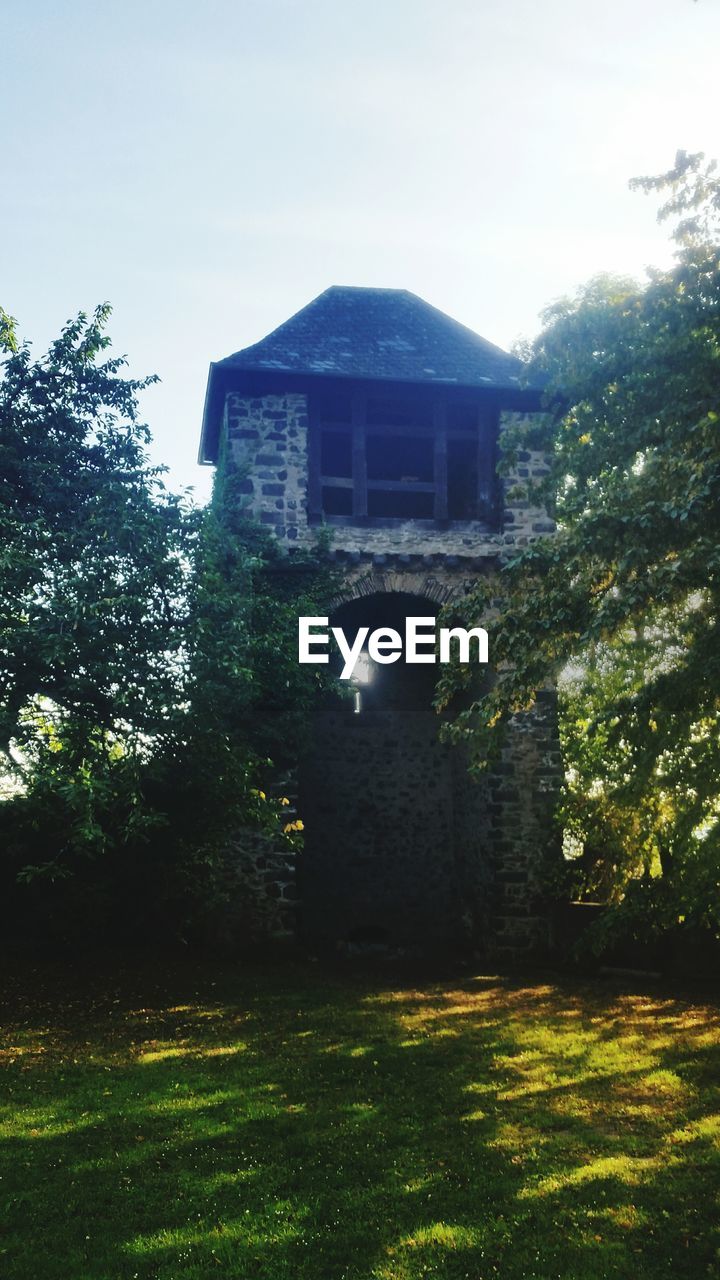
{"x": 629, "y": 589}
{"x": 94, "y": 553}
{"x": 147, "y": 671}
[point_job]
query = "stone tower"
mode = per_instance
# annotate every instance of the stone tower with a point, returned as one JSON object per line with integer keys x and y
{"x": 374, "y": 414}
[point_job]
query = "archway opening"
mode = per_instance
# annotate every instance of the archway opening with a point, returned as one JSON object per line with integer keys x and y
{"x": 380, "y": 685}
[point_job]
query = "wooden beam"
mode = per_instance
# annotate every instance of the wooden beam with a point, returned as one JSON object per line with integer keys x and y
{"x": 402, "y": 486}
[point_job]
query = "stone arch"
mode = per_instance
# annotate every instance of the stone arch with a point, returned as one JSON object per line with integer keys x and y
{"x": 429, "y": 586}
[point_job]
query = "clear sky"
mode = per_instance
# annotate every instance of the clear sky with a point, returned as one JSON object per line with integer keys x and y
{"x": 210, "y": 167}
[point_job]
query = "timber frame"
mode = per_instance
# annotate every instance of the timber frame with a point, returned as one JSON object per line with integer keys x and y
{"x": 456, "y": 433}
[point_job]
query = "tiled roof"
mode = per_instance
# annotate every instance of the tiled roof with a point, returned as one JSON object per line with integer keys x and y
{"x": 379, "y": 333}
{"x": 371, "y": 335}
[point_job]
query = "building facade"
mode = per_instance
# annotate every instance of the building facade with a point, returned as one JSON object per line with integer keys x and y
{"x": 377, "y": 418}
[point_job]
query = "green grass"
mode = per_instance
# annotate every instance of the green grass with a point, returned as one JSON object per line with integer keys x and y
{"x": 286, "y": 1124}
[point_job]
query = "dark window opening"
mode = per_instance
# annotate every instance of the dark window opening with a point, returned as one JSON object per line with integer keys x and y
{"x": 398, "y": 413}
{"x": 336, "y": 501}
{"x": 336, "y": 454}
{"x": 402, "y": 458}
{"x": 336, "y": 409}
{"x": 462, "y": 417}
{"x": 383, "y": 459}
{"x": 462, "y": 479}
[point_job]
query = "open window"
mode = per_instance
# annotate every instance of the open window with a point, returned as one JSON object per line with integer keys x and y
{"x": 383, "y": 460}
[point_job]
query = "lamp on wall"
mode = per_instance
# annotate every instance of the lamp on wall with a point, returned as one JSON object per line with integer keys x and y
{"x": 361, "y": 675}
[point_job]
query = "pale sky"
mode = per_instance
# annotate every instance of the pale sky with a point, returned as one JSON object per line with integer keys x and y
{"x": 210, "y": 168}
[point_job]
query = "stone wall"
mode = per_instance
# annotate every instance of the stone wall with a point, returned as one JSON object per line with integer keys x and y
{"x": 257, "y": 898}
{"x": 524, "y": 519}
{"x": 522, "y": 789}
{"x": 267, "y": 439}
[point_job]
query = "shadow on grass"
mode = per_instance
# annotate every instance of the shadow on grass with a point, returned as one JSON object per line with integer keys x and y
{"x": 288, "y": 1124}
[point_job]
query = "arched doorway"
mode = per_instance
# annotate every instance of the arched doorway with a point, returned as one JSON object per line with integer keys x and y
{"x": 377, "y": 797}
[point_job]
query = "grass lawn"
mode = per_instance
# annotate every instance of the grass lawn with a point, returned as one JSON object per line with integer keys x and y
{"x": 184, "y": 1122}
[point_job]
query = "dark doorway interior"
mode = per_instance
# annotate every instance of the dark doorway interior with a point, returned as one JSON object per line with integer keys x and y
{"x": 376, "y": 797}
